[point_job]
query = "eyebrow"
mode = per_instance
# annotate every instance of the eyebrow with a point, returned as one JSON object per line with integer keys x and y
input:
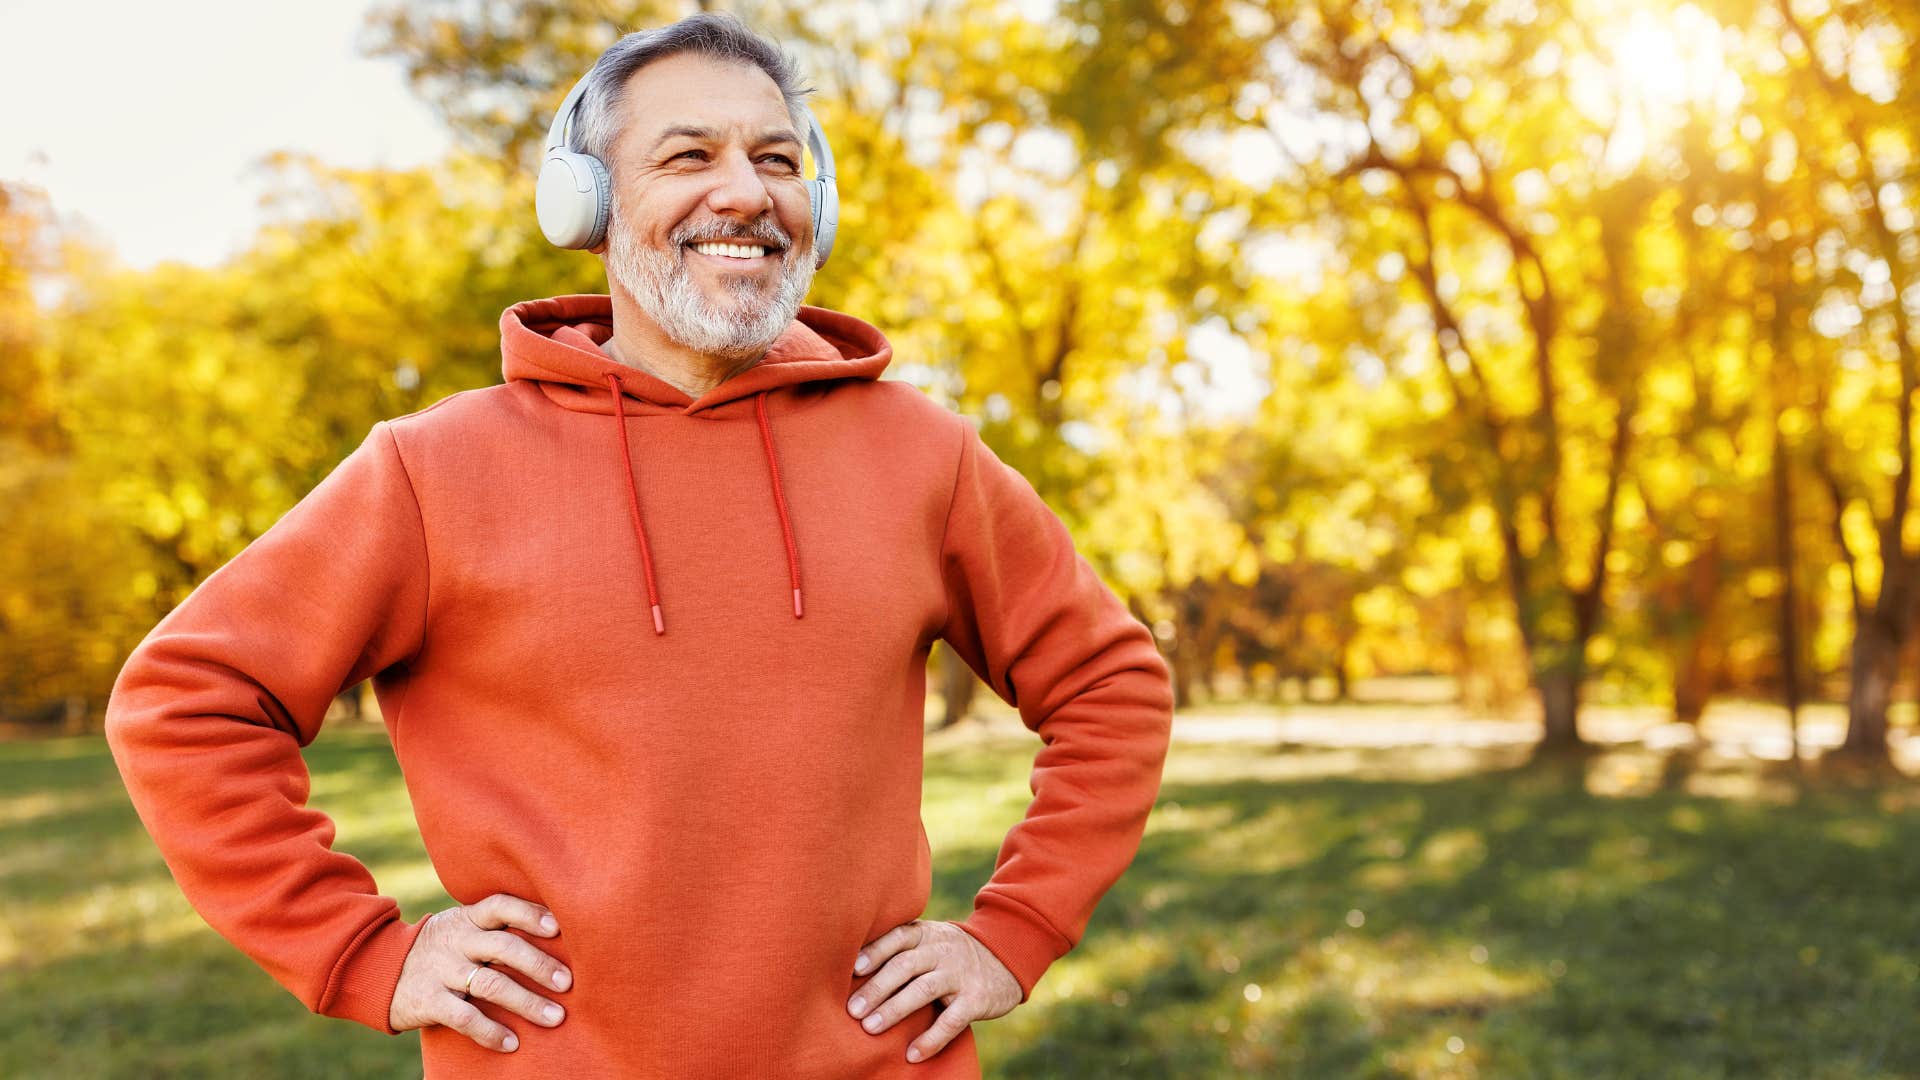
{"x": 687, "y": 131}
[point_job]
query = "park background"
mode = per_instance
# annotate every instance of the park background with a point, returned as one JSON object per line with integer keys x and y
{"x": 1501, "y": 413}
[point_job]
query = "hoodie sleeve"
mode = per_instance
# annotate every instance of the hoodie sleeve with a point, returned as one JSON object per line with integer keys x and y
{"x": 207, "y": 719}
{"x": 1032, "y": 618}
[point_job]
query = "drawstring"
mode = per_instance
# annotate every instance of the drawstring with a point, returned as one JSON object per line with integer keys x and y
{"x": 633, "y": 500}
{"x": 779, "y": 499}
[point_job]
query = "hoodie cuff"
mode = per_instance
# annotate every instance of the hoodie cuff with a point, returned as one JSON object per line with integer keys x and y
{"x": 1017, "y": 937}
{"x": 368, "y": 973}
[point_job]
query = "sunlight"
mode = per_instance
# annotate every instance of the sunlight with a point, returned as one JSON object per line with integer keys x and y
{"x": 1662, "y": 64}
{"x": 1667, "y": 64}
{"x": 1675, "y": 60}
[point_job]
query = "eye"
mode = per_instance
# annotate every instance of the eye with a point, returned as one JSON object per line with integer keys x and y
{"x": 684, "y": 153}
{"x": 784, "y": 160}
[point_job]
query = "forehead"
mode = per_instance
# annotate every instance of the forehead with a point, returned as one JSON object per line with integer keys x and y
{"x": 700, "y": 90}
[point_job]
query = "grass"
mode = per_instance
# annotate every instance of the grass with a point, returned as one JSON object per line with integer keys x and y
{"x": 1405, "y": 912}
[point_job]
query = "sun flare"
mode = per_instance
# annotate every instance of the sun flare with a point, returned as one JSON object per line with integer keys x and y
{"x": 1665, "y": 62}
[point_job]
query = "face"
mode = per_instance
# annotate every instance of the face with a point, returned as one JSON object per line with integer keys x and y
{"x": 710, "y": 154}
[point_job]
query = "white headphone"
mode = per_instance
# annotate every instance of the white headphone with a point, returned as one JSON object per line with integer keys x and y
{"x": 575, "y": 194}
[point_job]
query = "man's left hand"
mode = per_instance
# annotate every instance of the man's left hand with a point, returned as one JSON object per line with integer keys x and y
{"x": 923, "y": 961}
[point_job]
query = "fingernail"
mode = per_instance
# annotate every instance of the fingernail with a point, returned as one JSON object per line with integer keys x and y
{"x": 858, "y": 1006}
{"x": 547, "y": 924}
{"x": 512, "y": 1043}
{"x": 871, "y": 1023}
{"x": 913, "y": 1053}
{"x": 553, "y": 1012}
{"x": 561, "y": 979}
{"x": 860, "y": 962}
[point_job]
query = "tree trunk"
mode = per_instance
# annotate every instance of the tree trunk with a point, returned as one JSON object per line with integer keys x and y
{"x": 1788, "y": 633}
{"x": 1694, "y": 675}
{"x": 1878, "y": 634}
{"x": 1182, "y": 664}
{"x": 1693, "y": 681}
{"x": 1788, "y": 617}
{"x": 957, "y": 685}
{"x": 1871, "y": 690}
{"x": 74, "y": 719}
{"x": 1560, "y": 707}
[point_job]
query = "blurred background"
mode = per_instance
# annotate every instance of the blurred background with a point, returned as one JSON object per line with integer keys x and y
{"x": 1500, "y": 410}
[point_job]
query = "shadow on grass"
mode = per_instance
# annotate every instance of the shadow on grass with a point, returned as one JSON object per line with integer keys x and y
{"x": 1505, "y": 920}
{"x": 72, "y": 829}
{"x": 108, "y": 973}
{"x": 192, "y": 1007}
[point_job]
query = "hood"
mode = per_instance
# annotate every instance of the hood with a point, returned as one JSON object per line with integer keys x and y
{"x": 555, "y": 344}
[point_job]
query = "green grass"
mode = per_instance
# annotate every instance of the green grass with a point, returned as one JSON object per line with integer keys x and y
{"x": 1292, "y": 912}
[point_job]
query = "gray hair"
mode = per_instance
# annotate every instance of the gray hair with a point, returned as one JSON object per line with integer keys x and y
{"x": 599, "y": 121}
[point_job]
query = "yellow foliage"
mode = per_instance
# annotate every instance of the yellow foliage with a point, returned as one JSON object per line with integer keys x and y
{"x": 151, "y": 423}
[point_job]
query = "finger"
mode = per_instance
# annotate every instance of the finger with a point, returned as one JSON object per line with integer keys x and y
{"x": 497, "y": 986}
{"x": 876, "y": 952}
{"x": 504, "y": 909}
{"x": 893, "y": 974}
{"x": 467, "y": 1019}
{"x": 943, "y": 1031}
{"x": 461, "y": 977}
{"x": 500, "y": 947}
{"x": 911, "y": 997}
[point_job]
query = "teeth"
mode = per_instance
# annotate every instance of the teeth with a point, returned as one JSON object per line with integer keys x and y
{"x": 735, "y": 251}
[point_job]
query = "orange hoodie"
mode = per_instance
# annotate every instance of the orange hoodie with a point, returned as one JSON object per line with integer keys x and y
{"x": 658, "y": 664}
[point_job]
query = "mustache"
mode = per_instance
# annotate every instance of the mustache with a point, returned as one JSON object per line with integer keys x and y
{"x": 765, "y": 230}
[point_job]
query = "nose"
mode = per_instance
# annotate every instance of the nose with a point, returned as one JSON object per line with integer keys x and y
{"x": 738, "y": 188}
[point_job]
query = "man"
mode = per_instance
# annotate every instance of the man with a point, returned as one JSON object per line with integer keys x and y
{"x": 649, "y": 626}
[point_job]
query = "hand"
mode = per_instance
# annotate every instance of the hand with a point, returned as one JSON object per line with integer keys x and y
{"x": 951, "y": 966}
{"x": 452, "y": 944}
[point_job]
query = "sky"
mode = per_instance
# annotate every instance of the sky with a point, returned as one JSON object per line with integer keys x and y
{"x": 143, "y": 120}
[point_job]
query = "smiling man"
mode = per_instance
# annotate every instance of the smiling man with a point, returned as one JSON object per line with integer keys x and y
{"x": 649, "y": 625}
{"x": 700, "y": 248}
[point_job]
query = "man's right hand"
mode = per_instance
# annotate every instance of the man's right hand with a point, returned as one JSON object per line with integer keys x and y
{"x": 456, "y": 941}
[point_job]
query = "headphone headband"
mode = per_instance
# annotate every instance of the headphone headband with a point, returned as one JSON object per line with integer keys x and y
{"x": 557, "y": 131}
{"x": 817, "y": 143}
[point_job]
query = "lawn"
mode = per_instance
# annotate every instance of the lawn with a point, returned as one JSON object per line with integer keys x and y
{"x": 1294, "y": 911}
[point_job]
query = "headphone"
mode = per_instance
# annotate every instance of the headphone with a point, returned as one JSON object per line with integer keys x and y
{"x": 575, "y": 193}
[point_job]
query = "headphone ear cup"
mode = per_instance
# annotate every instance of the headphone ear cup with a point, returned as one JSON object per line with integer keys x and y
{"x": 603, "y": 192}
{"x": 573, "y": 200}
{"x": 824, "y": 198}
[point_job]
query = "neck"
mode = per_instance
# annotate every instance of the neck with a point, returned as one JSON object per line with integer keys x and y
{"x": 636, "y": 336}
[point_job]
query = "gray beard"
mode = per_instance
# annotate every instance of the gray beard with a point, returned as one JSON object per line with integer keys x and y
{"x": 661, "y": 284}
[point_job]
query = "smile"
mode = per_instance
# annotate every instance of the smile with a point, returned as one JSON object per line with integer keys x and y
{"x": 739, "y": 254}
